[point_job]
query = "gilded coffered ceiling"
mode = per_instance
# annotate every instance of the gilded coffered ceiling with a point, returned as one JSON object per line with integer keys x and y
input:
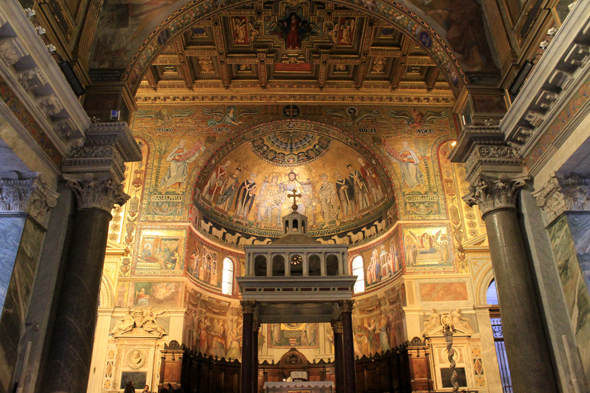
{"x": 294, "y": 51}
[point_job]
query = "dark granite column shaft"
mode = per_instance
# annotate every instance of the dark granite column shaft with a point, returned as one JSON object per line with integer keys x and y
{"x": 68, "y": 365}
{"x": 255, "y": 356}
{"x": 348, "y": 346}
{"x": 247, "y": 345}
{"x": 338, "y": 355}
{"x": 527, "y": 348}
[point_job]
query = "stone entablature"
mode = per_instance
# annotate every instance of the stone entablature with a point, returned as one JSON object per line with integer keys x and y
{"x": 563, "y": 194}
{"x": 29, "y": 69}
{"x": 553, "y": 81}
{"x": 96, "y": 170}
{"x": 29, "y": 196}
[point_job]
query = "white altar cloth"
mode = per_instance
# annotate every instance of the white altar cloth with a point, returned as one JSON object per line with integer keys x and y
{"x": 305, "y": 386}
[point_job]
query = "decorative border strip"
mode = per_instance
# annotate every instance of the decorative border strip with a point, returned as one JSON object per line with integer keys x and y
{"x": 28, "y": 121}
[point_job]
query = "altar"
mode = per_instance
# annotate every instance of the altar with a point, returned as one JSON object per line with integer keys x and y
{"x": 299, "y": 387}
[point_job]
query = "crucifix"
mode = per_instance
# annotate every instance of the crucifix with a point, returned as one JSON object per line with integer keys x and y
{"x": 294, "y": 196}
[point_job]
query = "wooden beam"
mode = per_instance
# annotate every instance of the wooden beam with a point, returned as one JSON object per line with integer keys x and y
{"x": 401, "y": 66}
{"x": 151, "y": 78}
{"x": 262, "y": 70}
{"x": 432, "y": 77}
{"x": 323, "y": 73}
{"x": 219, "y": 38}
{"x": 183, "y": 68}
{"x": 361, "y": 72}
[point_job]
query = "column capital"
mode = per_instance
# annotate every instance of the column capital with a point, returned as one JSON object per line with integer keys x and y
{"x": 495, "y": 194}
{"x": 337, "y": 326}
{"x": 96, "y": 192}
{"x": 562, "y": 194}
{"x": 346, "y": 305}
{"x": 248, "y": 306}
{"x": 29, "y": 196}
{"x": 96, "y": 169}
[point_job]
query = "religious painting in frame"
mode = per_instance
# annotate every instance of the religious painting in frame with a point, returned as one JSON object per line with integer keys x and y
{"x": 293, "y": 335}
{"x": 428, "y": 248}
{"x": 160, "y": 252}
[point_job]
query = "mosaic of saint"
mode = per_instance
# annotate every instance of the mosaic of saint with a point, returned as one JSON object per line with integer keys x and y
{"x": 337, "y": 184}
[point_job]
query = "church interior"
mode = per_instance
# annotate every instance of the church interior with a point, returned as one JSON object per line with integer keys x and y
{"x": 300, "y": 196}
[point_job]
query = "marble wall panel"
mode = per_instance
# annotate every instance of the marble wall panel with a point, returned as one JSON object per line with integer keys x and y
{"x": 441, "y": 292}
{"x": 18, "y": 295}
{"x": 573, "y": 283}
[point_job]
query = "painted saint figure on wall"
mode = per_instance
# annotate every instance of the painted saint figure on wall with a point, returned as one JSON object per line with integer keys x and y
{"x": 329, "y": 201}
{"x": 245, "y": 200}
{"x": 345, "y": 194}
{"x": 216, "y": 183}
{"x": 360, "y": 187}
{"x": 408, "y": 161}
{"x": 371, "y": 179}
{"x": 179, "y": 158}
{"x": 271, "y": 198}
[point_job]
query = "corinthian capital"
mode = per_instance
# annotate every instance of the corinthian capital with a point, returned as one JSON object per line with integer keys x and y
{"x": 494, "y": 194}
{"x": 248, "y": 306}
{"x": 29, "y": 196}
{"x": 96, "y": 193}
{"x": 561, "y": 194}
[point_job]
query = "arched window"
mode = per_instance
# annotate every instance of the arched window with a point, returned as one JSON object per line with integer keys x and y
{"x": 227, "y": 283}
{"x": 357, "y": 270}
{"x": 492, "y": 294}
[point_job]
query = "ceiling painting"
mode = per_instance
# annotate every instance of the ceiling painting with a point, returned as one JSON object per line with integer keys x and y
{"x": 464, "y": 29}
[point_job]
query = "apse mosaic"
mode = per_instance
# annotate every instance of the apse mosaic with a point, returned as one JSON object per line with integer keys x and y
{"x": 247, "y": 190}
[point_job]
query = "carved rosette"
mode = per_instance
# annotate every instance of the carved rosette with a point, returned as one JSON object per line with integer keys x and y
{"x": 248, "y": 306}
{"x": 93, "y": 193}
{"x": 562, "y": 194}
{"x": 29, "y": 196}
{"x": 346, "y": 305}
{"x": 494, "y": 194}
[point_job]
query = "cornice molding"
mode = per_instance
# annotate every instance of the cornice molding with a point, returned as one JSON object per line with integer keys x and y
{"x": 32, "y": 74}
{"x": 184, "y": 97}
{"x": 552, "y": 83}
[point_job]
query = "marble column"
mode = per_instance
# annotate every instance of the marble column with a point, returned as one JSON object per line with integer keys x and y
{"x": 338, "y": 355}
{"x": 73, "y": 335}
{"x": 527, "y": 347}
{"x": 255, "y": 331}
{"x": 94, "y": 172}
{"x": 248, "y": 308}
{"x": 348, "y": 346}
